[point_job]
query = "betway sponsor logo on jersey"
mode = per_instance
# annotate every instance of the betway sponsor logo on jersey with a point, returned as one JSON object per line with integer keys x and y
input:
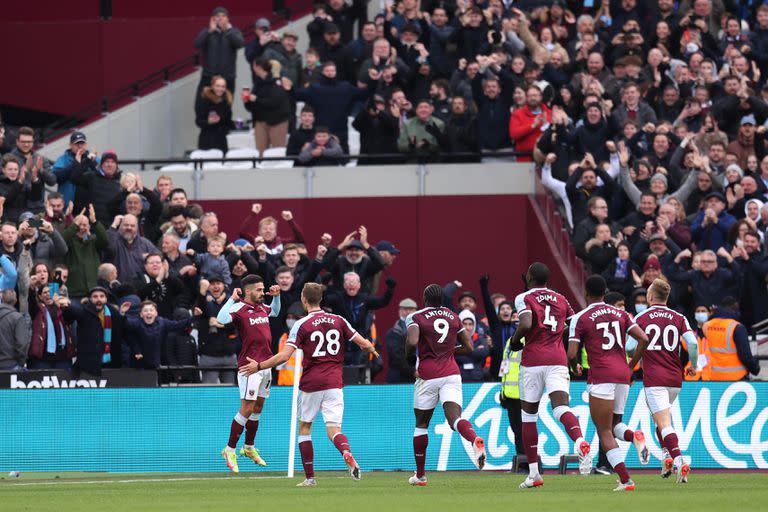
{"x": 548, "y": 297}
{"x": 719, "y": 425}
{"x": 260, "y": 320}
{"x": 605, "y": 311}
{"x": 439, "y": 312}
{"x": 53, "y": 382}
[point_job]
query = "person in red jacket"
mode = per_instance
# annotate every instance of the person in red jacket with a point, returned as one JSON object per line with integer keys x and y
{"x": 528, "y": 123}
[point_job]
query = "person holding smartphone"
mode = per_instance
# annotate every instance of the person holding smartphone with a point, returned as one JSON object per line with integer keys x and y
{"x": 46, "y": 245}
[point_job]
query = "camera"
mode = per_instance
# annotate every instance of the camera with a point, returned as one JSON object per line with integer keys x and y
{"x": 35, "y": 223}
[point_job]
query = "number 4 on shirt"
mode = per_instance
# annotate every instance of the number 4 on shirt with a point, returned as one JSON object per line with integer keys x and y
{"x": 549, "y": 320}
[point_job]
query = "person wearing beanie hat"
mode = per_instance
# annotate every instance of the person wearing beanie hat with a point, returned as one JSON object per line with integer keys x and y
{"x": 651, "y": 270}
{"x": 744, "y": 145}
{"x": 99, "y": 331}
{"x": 471, "y": 365}
{"x": 218, "y": 43}
{"x": 658, "y": 186}
{"x": 99, "y": 187}
{"x": 711, "y": 225}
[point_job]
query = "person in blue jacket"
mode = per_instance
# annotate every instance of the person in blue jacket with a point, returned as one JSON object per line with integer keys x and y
{"x": 149, "y": 331}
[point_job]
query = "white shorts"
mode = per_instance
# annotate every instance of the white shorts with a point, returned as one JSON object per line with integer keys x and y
{"x": 254, "y": 385}
{"x": 611, "y": 391}
{"x": 427, "y": 393}
{"x": 330, "y": 401}
{"x": 534, "y": 379}
{"x": 660, "y": 398}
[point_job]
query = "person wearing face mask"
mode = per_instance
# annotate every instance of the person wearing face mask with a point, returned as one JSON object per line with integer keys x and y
{"x": 639, "y": 301}
{"x": 285, "y": 371}
{"x": 701, "y": 315}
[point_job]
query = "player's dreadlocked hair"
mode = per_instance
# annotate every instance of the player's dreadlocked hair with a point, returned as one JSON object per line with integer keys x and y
{"x": 433, "y": 295}
{"x": 539, "y": 273}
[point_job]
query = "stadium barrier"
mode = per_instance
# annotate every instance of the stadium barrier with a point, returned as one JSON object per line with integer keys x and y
{"x": 719, "y": 424}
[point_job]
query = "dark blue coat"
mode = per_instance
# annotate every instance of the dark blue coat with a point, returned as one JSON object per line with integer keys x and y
{"x": 333, "y": 101}
{"x": 147, "y": 339}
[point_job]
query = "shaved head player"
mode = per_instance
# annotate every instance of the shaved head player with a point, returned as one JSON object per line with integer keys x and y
{"x": 543, "y": 315}
{"x": 603, "y": 329}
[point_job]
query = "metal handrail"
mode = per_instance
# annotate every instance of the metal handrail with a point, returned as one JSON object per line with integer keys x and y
{"x": 405, "y": 158}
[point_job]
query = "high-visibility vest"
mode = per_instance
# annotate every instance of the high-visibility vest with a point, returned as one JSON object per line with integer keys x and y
{"x": 510, "y": 381}
{"x": 703, "y": 373}
{"x": 724, "y": 363}
{"x": 285, "y": 371}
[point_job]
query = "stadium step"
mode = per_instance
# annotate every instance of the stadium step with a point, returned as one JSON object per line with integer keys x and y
{"x": 565, "y": 460}
{"x": 519, "y": 460}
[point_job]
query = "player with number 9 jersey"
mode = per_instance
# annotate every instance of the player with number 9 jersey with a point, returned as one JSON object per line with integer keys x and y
{"x": 438, "y": 329}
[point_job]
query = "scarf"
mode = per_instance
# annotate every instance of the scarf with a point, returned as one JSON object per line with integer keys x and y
{"x": 622, "y": 268}
{"x": 50, "y": 331}
{"x": 106, "y": 323}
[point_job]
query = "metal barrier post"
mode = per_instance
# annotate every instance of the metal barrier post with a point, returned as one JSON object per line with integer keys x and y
{"x": 422, "y": 173}
{"x": 309, "y": 176}
{"x": 197, "y": 177}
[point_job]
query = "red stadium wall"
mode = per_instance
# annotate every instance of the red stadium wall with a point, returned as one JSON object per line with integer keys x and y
{"x": 441, "y": 238}
{"x": 65, "y": 58}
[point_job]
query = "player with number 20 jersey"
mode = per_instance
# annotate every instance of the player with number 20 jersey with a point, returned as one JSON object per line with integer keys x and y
{"x": 663, "y": 370}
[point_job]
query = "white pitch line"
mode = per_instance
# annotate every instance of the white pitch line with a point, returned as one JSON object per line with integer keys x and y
{"x": 146, "y": 480}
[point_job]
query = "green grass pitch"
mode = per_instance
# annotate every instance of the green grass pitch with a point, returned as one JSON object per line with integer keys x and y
{"x": 380, "y": 491}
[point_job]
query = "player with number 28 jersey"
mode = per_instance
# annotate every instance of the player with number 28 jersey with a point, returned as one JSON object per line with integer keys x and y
{"x": 322, "y": 336}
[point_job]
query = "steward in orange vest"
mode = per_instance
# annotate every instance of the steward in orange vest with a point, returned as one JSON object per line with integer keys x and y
{"x": 728, "y": 344}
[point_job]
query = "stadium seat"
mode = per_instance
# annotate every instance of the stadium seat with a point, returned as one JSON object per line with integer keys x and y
{"x": 241, "y": 139}
{"x": 177, "y": 167}
{"x": 208, "y": 154}
{"x": 273, "y": 164}
{"x": 241, "y": 153}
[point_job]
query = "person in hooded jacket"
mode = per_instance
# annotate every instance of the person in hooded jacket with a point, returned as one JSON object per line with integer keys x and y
{"x": 100, "y": 186}
{"x": 270, "y": 105}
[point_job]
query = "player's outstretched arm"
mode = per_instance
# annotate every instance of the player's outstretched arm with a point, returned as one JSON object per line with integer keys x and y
{"x": 642, "y": 343}
{"x": 253, "y": 366}
{"x": 225, "y": 313}
{"x": 274, "y": 291}
{"x": 364, "y": 344}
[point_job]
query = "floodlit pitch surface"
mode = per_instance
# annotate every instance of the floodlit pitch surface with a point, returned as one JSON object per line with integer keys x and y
{"x": 379, "y": 491}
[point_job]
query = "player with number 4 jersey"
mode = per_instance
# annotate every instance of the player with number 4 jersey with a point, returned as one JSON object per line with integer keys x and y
{"x": 602, "y": 329}
{"x": 437, "y": 334}
{"x": 322, "y": 337}
{"x": 663, "y": 370}
{"x": 543, "y": 315}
